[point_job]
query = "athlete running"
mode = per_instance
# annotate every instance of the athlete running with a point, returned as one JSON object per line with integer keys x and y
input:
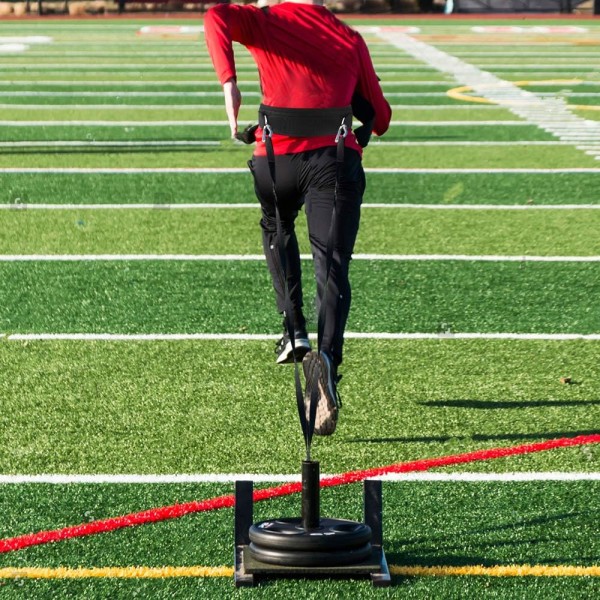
{"x": 315, "y": 72}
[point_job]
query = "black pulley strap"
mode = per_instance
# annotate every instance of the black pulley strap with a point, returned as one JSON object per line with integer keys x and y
{"x": 308, "y": 424}
{"x": 331, "y": 237}
{"x": 341, "y": 131}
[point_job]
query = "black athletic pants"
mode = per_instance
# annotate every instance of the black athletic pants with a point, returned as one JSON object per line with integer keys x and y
{"x": 308, "y": 178}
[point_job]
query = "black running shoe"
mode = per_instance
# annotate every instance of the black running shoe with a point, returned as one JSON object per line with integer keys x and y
{"x": 319, "y": 369}
{"x": 284, "y": 351}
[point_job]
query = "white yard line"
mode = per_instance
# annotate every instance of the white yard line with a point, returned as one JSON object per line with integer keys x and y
{"x": 102, "y": 144}
{"x": 177, "y": 337}
{"x": 176, "y": 478}
{"x": 129, "y": 171}
{"x": 219, "y": 94}
{"x": 484, "y": 171}
{"x": 528, "y": 66}
{"x": 542, "y": 44}
{"x": 180, "y": 67}
{"x": 550, "y": 114}
{"x": 26, "y": 39}
{"x": 171, "y": 83}
{"x": 133, "y": 46}
{"x": 199, "y": 65}
{"x": 259, "y": 257}
{"x": 160, "y": 94}
{"x": 178, "y": 94}
{"x": 142, "y": 143}
{"x": 256, "y": 206}
{"x": 130, "y": 257}
{"x": 240, "y": 170}
{"x": 111, "y": 107}
{"x": 140, "y": 206}
{"x": 92, "y": 123}
{"x": 474, "y": 336}
{"x": 118, "y": 82}
{"x": 209, "y": 123}
{"x": 576, "y": 53}
{"x": 170, "y": 107}
{"x": 480, "y": 206}
{"x": 517, "y": 477}
{"x": 376, "y": 143}
{"x": 142, "y": 337}
{"x": 120, "y": 66}
{"x": 571, "y": 94}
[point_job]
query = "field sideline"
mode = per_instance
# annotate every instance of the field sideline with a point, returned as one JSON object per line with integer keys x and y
{"x": 137, "y": 322}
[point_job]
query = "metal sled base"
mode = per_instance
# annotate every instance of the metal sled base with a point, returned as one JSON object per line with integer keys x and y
{"x": 249, "y": 569}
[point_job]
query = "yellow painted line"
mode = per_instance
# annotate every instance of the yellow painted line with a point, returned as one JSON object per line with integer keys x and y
{"x": 548, "y": 82}
{"x": 458, "y": 93}
{"x": 497, "y": 571}
{"x": 461, "y": 92}
{"x": 113, "y": 572}
{"x": 200, "y": 571}
{"x": 584, "y": 107}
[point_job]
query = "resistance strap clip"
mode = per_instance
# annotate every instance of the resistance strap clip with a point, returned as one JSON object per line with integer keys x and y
{"x": 267, "y": 132}
{"x": 342, "y": 132}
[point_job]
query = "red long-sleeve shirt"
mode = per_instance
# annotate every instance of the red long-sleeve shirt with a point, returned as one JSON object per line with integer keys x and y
{"x": 306, "y": 58}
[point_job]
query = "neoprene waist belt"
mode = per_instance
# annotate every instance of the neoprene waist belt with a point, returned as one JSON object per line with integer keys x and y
{"x": 304, "y": 122}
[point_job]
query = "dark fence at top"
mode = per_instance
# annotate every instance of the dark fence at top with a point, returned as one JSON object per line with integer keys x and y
{"x": 512, "y": 6}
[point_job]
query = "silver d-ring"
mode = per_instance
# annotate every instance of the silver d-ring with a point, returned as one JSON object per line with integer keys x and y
{"x": 342, "y": 132}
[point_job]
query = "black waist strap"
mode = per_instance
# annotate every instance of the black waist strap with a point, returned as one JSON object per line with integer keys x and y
{"x": 305, "y": 122}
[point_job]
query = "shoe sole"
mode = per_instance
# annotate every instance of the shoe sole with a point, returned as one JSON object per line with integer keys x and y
{"x": 287, "y": 355}
{"x": 316, "y": 368}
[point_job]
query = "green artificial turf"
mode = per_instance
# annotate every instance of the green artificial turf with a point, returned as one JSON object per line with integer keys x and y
{"x": 236, "y": 296}
{"x": 231, "y": 188}
{"x": 247, "y": 115}
{"x": 224, "y": 406}
{"x": 234, "y": 155}
{"x": 424, "y": 523}
{"x": 65, "y": 98}
{"x": 205, "y": 406}
{"x": 218, "y": 231}
{"x": 131, "y": 132}
{"x": 200, "y": 110}
{"x": 492, "y": 188}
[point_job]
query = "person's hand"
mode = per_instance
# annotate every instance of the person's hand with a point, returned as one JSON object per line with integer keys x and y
{"x": 233, "y": 101}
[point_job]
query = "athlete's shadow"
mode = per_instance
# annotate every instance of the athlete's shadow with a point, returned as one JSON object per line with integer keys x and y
{"x": 441, "y": 547}
{"x": 502, "y": 404}
{"x": 543, "y": 435}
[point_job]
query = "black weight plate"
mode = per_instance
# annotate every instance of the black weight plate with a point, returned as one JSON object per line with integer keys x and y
{"x": 288, "y": 534}
{"x": 310, "y": 558}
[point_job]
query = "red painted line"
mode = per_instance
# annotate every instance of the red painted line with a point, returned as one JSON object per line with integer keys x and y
{"x": 179, "y": 510}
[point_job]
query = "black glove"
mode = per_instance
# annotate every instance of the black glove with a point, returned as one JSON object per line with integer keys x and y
{"x": 248, "y": 136}
{"x": 365, "y": 113}
{"x": 363, "y": 134}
